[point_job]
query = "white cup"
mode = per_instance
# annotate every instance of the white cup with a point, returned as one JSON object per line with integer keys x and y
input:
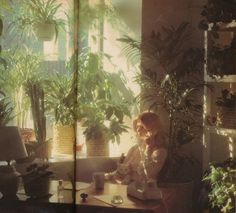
{"x": 99, "y": 179}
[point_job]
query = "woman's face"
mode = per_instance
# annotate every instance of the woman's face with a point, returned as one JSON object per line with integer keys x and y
{"x": 143, "y": 131}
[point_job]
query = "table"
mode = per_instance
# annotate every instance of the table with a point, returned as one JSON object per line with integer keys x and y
{"x": 97, "y": 201}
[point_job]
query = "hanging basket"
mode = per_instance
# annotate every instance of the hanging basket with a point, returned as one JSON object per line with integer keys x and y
{"x": 44, "y": 31}
{"x": 228, "y": 117}
{"x": 63, "y": 139}
{"x": 97, "y": 147}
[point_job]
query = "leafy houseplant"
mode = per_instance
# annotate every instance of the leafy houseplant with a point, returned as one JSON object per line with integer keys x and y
{"x": 170, "y": 80}
{"x": 36, "y": 180}
{"x": 39, "y": 15}
{"x": 102, "y": 106}
{"x": 59, "y": 99}
{"x": 221, "y": 181}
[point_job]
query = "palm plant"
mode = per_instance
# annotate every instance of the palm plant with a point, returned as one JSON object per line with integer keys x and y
{"x": 170, "y": 80}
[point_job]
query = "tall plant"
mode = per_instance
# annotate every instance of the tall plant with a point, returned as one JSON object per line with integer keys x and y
{"x": 102, "y": 106}
{"x": 22, "y": 66}
{"x": 34, "y": 90}
{"x": 170, "y": 80}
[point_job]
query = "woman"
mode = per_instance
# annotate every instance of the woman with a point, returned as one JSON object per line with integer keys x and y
{"x": 144, "y": 160}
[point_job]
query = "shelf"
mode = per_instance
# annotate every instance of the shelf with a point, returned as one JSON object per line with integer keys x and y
{"x": 225, "y": 79}
{"x": 224, "y": 26}
{"x": 220, "y": 131}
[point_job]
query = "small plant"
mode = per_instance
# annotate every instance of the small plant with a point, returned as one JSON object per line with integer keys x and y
{"x": 34, "y": 172}
{"x": 227, "y": 99}
{"x": 36, "y": 180}
{"x": 222, "y": 183}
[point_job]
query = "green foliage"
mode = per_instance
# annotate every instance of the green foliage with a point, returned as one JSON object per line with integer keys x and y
{"x": 6, "y": 111}
{"x": 222, "y": 181}
{"x": 21, "y": 68}
{"x": 35, "y": 171}
{"x": 28, "y": 14}
{"x": 170, "y": 79}
{"x": 102, "y": 105}
{"x": 60, "y": 98}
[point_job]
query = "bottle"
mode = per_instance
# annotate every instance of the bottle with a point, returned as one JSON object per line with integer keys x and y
{"x": 60, "y": 193}
{"x": 122, "y": 158}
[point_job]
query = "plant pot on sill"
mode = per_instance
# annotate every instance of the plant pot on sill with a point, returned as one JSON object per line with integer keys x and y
{"x": 63, "y": 139}
{"x": 97, "y": 147}
{"x": 44, "y": 31}
{"x": 36, "y": 187}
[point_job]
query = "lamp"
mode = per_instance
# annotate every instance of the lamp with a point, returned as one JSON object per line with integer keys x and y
{"x": 11, "y": 148}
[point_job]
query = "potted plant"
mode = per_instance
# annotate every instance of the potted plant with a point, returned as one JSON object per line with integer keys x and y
{"x": 36, "y": 180}
{"x": 102, "y": 106}
{"x": 220, "y": 183}
{"x": 39, "y": 16}
{"x": 59, "y": 102}
{"x": 170, "y": 81}
{"x": 23, "y": 82}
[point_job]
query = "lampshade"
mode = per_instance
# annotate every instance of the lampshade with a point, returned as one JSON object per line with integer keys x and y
{"x": 11, "y": 145}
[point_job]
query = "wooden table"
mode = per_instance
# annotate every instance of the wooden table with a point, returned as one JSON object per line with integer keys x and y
{"x": 102, "y": 199}
{"x": 97, "y": 201}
